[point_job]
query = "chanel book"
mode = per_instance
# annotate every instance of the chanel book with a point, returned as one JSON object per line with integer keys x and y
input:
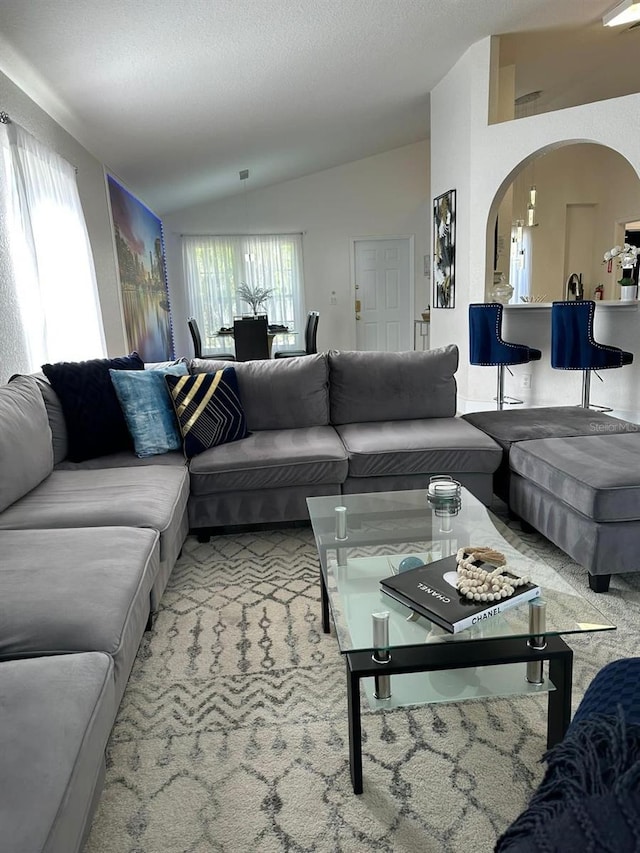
{"x": 431, "y": 591}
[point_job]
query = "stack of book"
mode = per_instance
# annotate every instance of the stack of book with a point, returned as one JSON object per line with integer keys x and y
{"x": 431, "y": 591}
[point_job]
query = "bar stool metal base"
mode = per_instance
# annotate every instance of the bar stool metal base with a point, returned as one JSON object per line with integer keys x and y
{"x": 586, "y": 393}
{"x": 508, "y": 401}
{"x": 500, "y": 398}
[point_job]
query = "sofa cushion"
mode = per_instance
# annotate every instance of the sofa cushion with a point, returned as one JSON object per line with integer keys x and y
{"x": 146, "y": 404}
{"x": 509, "y": 426}
{"x": 597, "y": 475}
{"x": 271, "y": 459}
{"x": 430, "y": 446}
{"x": 124, "y": 459}
{"x": 95, "y": 423}
{"x": 152, "y": 496}
{"x": 282, "y": 393}
{"x": 55, "y": 414}
{"x": 108, "y": 580}
{"x": 56, "y": 715}
{"x": 392, "y": 386}
{"x": 208, "y": 409}
{"x": 26, "y": 452}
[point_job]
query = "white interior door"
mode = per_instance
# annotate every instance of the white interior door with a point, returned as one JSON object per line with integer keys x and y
{"x": 383, "y": 294}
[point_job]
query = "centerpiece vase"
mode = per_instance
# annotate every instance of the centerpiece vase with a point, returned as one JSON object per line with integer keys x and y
{"x": 501, "y": 290}
{"x": 628, "y": 288}
{"x": 628, "y": 292}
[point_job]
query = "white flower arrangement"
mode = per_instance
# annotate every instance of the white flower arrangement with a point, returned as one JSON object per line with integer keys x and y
{"x": 626, "y": 256}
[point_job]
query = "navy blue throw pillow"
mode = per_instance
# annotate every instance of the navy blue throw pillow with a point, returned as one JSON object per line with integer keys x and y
{"x": 208, "y": 409}
{"x": 94, "y": 418}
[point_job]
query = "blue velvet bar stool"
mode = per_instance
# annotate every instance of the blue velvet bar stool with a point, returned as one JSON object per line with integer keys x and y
{"x": 574, "y": 348}
{"x": 487, "y": 348}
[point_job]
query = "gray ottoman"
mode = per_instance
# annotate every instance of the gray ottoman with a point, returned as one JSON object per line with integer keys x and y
{"x": 55, "y": 719}
{"x": 509, "y": 426}
{"x": 583, "y": 494}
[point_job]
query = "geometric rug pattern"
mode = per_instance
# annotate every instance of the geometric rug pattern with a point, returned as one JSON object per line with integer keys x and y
{"x": 232, "y": 733}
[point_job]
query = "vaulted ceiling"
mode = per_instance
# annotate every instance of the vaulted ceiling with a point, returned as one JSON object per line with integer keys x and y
{"x": 177, "y": 98}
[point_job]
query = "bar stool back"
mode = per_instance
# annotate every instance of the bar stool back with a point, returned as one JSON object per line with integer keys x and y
{"x": 487, "y": 348}
{"x": 573, "y": 346}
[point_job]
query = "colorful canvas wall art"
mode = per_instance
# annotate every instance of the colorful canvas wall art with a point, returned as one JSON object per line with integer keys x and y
{"x": 143, "y": 281}
{"x": 444, "y": 250}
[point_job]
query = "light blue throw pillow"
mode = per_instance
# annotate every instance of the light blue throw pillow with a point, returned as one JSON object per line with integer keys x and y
{"x": 147, "y": 408}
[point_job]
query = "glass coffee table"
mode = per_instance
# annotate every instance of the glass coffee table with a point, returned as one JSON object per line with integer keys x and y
{"x": 405, "y": 659}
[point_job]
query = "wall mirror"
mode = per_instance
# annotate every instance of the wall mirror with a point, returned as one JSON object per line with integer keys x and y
{"x": 563, "y": 209}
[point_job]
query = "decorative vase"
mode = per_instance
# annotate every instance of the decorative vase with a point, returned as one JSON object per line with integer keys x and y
{"x": 501, "y": 291}
{"x": 628, "y": 292}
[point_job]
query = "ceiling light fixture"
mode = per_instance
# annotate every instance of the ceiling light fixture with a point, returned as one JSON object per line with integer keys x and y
{"x": 624, "y": 13}
{"x": 525, "y": 107}
{"x": 244, "y": 176}
{"x": 531, "y": 207}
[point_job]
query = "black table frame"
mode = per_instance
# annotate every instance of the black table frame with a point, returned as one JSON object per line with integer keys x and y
{"x": 454, "y": 655}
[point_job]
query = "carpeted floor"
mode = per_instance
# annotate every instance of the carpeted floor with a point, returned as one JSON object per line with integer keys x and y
{"x": 232, "y": 734}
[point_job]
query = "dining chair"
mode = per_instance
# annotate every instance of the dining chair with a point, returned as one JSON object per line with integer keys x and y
{"x": 310, "y": 339}
{"x": 251, "y": 338}
{"x": 197, "y": 344}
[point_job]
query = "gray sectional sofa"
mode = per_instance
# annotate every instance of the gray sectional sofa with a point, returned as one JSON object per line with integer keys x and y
{"x": 86, "y": 548}
{"x": 337, "y": 422}
{"x": 84, "y": 558}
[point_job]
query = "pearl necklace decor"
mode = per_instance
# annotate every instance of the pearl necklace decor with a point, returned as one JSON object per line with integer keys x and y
{"x": 480, "y": 585}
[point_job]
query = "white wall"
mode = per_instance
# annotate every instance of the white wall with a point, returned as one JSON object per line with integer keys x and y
{"x": 384, "y": 195}
{"x": 91, "y": 186}
{"x": 479, "y": 161}
{"x": 451, "y": 169}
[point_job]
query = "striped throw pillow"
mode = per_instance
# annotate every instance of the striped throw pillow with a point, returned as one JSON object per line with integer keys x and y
{"x": 208, "y": 409}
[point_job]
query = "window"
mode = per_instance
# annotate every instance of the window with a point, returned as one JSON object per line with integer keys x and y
{"x": 520, "y": 263}
{"x": 215, "y": 266}
{"x": 52, "y": 271}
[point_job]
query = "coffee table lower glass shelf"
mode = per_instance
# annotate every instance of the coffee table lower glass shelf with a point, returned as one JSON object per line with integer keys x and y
{"x": 476, "y": 682}
{"x": 405, "y": 659}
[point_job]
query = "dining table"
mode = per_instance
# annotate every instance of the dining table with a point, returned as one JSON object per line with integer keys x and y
{"x": 273, "y": 330}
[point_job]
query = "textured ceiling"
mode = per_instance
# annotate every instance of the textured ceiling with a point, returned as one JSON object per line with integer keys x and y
{"x": 177, "y": 98}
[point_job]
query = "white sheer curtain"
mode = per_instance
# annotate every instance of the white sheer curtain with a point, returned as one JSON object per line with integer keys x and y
{"x": 14, "y": 352}
{"x": 50, "y": 253}
{"x": 215, "y": 266}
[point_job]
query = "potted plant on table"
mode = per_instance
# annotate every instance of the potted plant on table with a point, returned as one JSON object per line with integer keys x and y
{"x": 626, "y": 257}
{"x": 256, "y": 296}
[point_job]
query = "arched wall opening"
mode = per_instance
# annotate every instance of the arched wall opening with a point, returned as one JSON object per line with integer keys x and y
{"x": 586, "y": 195}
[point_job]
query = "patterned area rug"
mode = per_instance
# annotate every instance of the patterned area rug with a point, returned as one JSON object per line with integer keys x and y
{"x": 232, "y": 733}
